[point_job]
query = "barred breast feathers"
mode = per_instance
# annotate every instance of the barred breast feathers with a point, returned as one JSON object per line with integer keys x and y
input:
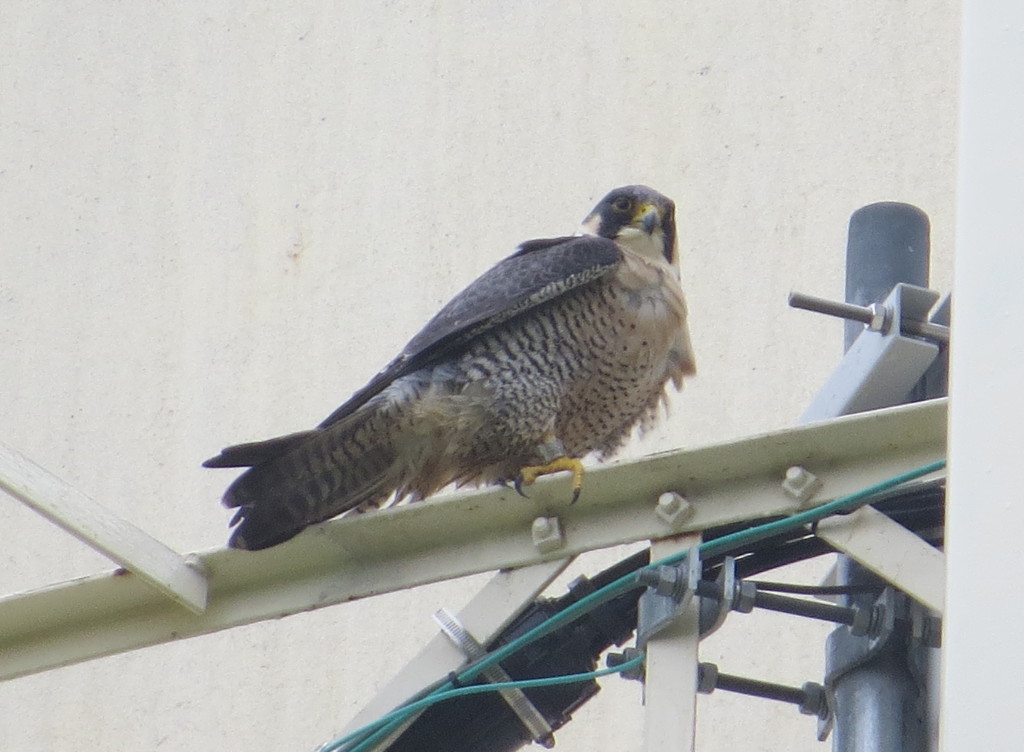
{"x": 654, "y": 287}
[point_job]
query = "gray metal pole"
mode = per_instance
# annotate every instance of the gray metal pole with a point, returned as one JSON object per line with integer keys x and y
{"x": 878, "y": 699}
{"x": 888, "y": 243}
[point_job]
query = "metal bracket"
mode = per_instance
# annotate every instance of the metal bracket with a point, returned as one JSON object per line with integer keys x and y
{"x": 881, "y": 367}
{"x": 714, "y": 610}
{"x": 670, "y": 589}
{"x": 355, "y": 557}
{"x": 849, "y": 648}
{"x": 520, "y": 704}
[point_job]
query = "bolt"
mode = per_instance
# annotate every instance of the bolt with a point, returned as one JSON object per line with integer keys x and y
{"x": 746, "y": 594}
{"x": 800, "y": 484}
{"x": 614, "y": 660}
{"x": 664, "y": 580}
{"x": 674, "y": 509}
{"x": 547, "y": 534}
{"x": 196, "y": 563}
{"x": 707, "y": 677}
{"x": 863, "y": 618}
{"x": 881, "y": 318}
{"x": 815, "y": 701}
{"x": 661, "y": 579}
{"x": 933, "y": 631}
{"x": 649, "y": 576}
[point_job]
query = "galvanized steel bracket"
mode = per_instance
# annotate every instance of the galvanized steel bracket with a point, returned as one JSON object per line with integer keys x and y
{"x": 670, "y": 591}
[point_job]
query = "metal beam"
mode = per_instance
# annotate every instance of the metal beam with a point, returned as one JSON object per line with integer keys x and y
{"x": 670, "y": 680}
{"x": 99, "y": 528}
{"x": 489, "y": 612}
{"x": 892, "y": 552}
{"x": 467, "y": 533}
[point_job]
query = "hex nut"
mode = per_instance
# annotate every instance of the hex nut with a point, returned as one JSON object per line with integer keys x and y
{"x": 613, "y": 660}
{"x": 815, "y": 700}
{"x": 674, "y": 509}
{"x": 547, "y": 534}
{"x": 801, "y": 484}
{"x": 707, "y": 677}
{"x": 881, "y": 318}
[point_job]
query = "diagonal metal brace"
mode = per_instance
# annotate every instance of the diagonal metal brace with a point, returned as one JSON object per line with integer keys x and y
{"x": 520, "y": 704}
{"x": 96, "y": 526}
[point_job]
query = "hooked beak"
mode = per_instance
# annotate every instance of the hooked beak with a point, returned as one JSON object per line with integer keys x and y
{"x": 650, "y": 220}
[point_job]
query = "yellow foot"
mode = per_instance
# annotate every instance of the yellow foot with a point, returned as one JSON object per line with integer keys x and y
{"x": 529, "y": 474}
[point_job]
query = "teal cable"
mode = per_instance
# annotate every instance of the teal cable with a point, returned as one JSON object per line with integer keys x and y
{"x": 399, "y": 715}
{"x": 577, "y": 609}
{"x": 843, "y": 504}
{"x": 629, "y": 582}
{"x": 710, "y": 548}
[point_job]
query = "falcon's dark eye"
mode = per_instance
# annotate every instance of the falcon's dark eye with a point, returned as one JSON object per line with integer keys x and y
{"x": 622, "y": 204}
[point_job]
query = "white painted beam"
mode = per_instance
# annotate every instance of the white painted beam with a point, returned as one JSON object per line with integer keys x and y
{"x": 98, "y": 527}
{"x": 467, "y": 533}
{"x": 670, "y": 681}
{"x": 892, "y": 552}
{"x": 492, "y": 609}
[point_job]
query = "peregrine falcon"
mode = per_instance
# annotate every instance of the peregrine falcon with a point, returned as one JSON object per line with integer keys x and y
{"x": 557, "y": 351}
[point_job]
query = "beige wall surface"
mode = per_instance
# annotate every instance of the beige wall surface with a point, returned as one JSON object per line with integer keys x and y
{"x": 218, "y": 219}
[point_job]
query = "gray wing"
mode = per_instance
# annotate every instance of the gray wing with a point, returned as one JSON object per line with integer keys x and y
{"x": 539, "y": 271}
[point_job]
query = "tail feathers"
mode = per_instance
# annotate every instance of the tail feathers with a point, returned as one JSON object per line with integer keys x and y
{"x": 298, "y": 480}
{"x": 255, "y": 452}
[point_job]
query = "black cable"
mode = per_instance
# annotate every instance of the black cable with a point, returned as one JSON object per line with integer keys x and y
{"x": 792, "y": 589}
{"x": 485, "y": 723}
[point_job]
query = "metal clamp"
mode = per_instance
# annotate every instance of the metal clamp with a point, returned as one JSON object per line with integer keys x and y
{"x": 851, "y": 647}
{"x": 882, "y": 366}
{"x": 723, "y": 596}
{"x": 670, "y": 590}
{"x": 532, "y": 719}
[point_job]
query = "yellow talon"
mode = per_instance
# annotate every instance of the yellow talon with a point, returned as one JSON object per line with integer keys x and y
{"x": 528, "y": 475}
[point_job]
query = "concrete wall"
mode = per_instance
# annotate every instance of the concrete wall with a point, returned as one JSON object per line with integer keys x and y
{"x": 218, "y": 219}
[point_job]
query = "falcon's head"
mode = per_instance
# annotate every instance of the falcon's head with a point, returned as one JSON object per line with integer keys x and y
{"x": 639, "y": 218}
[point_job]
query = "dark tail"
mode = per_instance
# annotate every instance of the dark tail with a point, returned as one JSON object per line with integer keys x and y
{"x": 298, "y": 480}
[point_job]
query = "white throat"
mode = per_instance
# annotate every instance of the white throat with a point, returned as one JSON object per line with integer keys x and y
{"x": 651, "y": 247}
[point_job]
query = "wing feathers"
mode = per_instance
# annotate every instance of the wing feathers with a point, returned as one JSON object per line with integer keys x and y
{"x": 306, "y": 477}
{"x": 539, "y": 271}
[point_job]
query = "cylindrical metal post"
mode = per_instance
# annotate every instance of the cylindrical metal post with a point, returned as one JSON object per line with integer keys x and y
{"x": 879, "y": 704}
{"x": 876, "y": 702}
{"x": 888, "y": 243}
